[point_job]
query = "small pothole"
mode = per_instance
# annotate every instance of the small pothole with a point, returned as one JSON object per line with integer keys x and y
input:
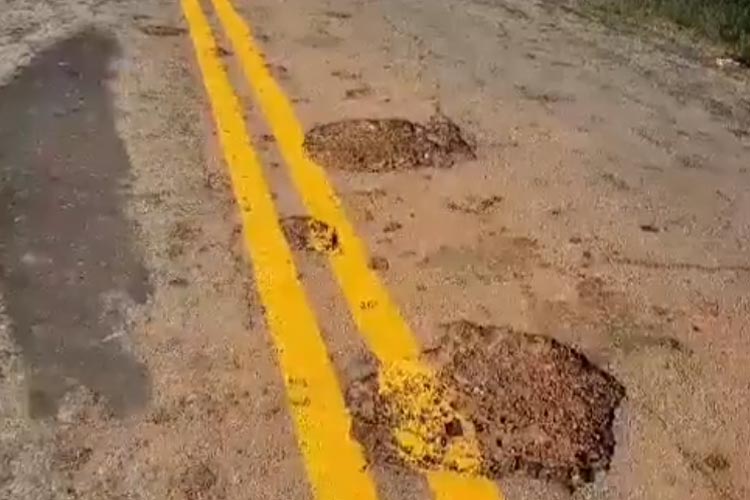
{"x": 368, "y": 145}
{"x": 306, "y": 233}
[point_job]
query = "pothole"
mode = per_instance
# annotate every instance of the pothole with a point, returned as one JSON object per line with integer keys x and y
{"x": 390, "y": 144}
{"x": 306, "y": 233}
{"x": 532, "y": 405}
{"x": 538, "y": 406}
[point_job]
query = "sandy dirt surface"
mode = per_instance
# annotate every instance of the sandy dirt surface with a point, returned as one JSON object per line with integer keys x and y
{"x": 604, "y": 204}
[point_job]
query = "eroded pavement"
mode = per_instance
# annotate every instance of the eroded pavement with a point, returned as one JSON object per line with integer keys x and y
{"x": 538, "y": 272}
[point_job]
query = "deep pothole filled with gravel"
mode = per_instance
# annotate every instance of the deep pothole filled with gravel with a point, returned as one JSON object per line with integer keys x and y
{"x": 368, "y": 145}
{"x": 535, "y": 405}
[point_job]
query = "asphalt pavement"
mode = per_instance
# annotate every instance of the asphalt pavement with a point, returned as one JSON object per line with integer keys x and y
{"x": 403, "y": 249}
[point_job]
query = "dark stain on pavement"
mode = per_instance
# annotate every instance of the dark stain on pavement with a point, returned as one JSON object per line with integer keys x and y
{"x": 68, "y": 269}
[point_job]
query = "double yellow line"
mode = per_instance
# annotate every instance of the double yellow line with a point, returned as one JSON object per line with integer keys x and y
{"x": 335, "y": 464}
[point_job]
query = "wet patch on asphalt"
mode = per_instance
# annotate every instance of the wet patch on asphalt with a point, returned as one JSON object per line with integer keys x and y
{"x": 386, "y": 145}
{"x": 534, "y": 405}
{"x": 306, "y": 233}
{"x": 68, "y": 269}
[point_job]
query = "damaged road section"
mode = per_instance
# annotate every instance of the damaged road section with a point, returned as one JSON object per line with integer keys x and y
{"x": 385, "y": 145}
{"x": 534, "y": 405}
{"x": 69, "y": 271}
{"x": 305, "y": 233}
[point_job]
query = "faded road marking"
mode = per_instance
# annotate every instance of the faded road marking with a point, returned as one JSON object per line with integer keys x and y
{"x": 375, "y": 313}
{"x": 335, "y": 465}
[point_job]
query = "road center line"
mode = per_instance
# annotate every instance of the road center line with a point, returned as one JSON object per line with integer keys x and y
{"x": 376, "y": 315}
{"x": 335, "y": 465}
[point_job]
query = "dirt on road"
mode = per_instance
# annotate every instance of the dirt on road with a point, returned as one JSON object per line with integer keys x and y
{"x": 585, "y": 190}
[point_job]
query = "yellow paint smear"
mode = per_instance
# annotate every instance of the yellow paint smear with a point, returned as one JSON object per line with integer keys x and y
{"x": 374, "y": 312}
{"x": 335, "y": 464}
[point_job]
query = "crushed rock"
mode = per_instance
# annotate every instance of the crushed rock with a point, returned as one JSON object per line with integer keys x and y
{"x": 367, "y": 145}
{"x": 538, "y": 406}
{"x": 306, "y": 233}
{"x": 535, "y": 406}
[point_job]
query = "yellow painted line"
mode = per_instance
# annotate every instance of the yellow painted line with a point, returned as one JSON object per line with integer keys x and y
{"x": 452, "y": 486}
{"x": 376, "y": 315}
{"x": 335, "y": 464}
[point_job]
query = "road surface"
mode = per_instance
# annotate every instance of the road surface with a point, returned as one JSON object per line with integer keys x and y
{"x": 394, "y": 249}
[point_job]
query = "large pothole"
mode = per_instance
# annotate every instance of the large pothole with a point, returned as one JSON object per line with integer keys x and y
{"x": 389, "y": 144}
{"x": 534, "y": 406}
